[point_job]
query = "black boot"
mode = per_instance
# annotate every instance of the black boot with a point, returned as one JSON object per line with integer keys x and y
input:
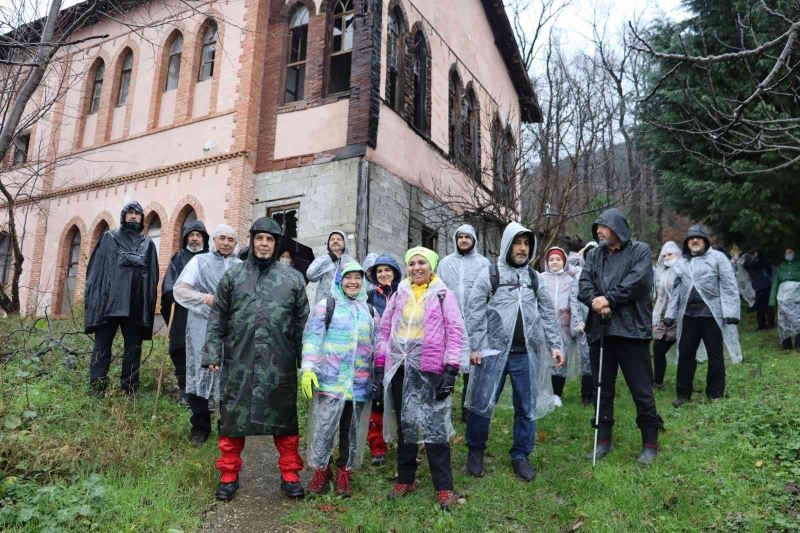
{"x": 226, "y": 491}
{"x": 649, "y": 447}
{"x": 522, "y": 467}
{"x": 558, "y": 385}
{"x": 587, "y": 390}
{"x": 603, "y": 449}
{"x": 679, "y": 401}
{"x": 293, "y": 489}
{"x": 797, "y": 342}
{"x": 786, "y": 344}
{"x": 197, "y": 437}
{"x": 475, "y": 463}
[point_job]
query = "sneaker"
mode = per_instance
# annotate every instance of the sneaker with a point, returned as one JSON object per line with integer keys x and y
{"x": 319, "y": 481}
{"x": 293, "y": 489}
{"x": 446, "y": 498}
{"x": 557, "y": 401}
{"x": 523, "y": 469}
{"x": 343, "y": 483}
{"x": 648, "y": 456}
{"x": 475, "y": 463}
{"x": 401, "y": 489}
{"x": 378, "y": 460}
{"x": 226, "y": 491}
{"x": 603, "y": 449}
{"x": 679, "y": 401}
{"x": 198, "y": 437}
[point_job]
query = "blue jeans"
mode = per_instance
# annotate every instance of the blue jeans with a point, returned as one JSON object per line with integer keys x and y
{"x": 518, "y": 367}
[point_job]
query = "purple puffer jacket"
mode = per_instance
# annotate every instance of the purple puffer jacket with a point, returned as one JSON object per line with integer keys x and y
{"x": 443, "y": 326}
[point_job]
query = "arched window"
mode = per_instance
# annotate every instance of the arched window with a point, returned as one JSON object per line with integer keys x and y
{"x": 341, "y": 46}
{"x": 72, "y": 259}
{"x": 154, "y": 230}
{"x": 472, "y": 132}
{"x": 419, "y": 74}
{"x": 97, "y": 234}
{"x": 503, "y": 160}
{"x": 208, "y": 51}
{"x": 125, "y": 78}
{"x": 455, "y": 118}
{"x": 510, "y": 157}
{"x": 97, "y": 86}
{"x": 6, "y": 257}
{"x": 296, "y": 59}
{"x": 174, "y": 63}
{"x": 190, "y": 218}
{"x": 394, "y": 59}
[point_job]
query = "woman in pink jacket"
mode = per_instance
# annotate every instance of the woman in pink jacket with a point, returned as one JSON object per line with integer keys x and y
{"x": 420, "y": 349}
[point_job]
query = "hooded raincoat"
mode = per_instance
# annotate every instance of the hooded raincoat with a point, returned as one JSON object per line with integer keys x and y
{"x": 562, "y": 287}
{"x": 491, "y": 320}
{"x": 576, "y": 261}
{"x": 626, "y": 280}
{"x": 177, "y": 330}
{"x": 743, "y": 280}
{"x": 122, "y": 277}
{"x": 341, "y": 356}
{"x": 664, "y": 280}
{"x": 785, "y": 294}
{"x": 379, "y": 296}
{"x": 424, "y": 335}
{"x": 711, "y": 274}
{"x": 323, "y": 268}
{"x": 200, "y": 278}
{"x": 459, "y": 271}
{"x": 255, "y": 332}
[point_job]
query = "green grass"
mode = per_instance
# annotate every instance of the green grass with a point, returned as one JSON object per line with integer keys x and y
{"x": 69, "y": 462}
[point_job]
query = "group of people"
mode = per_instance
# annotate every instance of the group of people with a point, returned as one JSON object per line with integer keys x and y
{"x": 381, "y": 349}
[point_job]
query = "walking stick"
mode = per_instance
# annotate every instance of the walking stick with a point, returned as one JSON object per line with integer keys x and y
{"x": 599, "y": 388}
{"x": 161, "y": 365}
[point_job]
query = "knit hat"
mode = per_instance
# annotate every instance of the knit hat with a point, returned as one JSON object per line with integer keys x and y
{"x": 431, "y": 256}
{"x": 558, "y": 251}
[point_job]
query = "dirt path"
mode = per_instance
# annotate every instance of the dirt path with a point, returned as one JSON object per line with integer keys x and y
{"x": 259, "y": 503}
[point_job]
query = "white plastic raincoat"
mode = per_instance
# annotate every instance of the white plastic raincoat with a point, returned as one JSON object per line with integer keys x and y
{"x": 459, "y": 271}
{"x": 563, "y": 290}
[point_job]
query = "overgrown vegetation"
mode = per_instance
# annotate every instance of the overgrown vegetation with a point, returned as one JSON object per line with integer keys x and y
{"x": 70, "y": 462}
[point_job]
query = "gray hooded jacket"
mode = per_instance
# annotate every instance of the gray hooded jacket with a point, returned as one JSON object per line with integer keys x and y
{"x": 323, "y": 268}
{"x": 460, "y": 271}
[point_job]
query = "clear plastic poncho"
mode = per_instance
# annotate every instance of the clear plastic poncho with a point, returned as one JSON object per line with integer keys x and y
{"x": 663, "y": 280}
{"x": 743, "y": 281}
{"x": 576, "y": 262}
{"x": 788, "y": 309}
{"x": 459, "y": 271}
{"x": 423, "y": 418}
{"x": 563, "y": 290}
{"x": 712, "y": 274}
{"x": 199, "y": 279}
{"x": 490, "y": 322}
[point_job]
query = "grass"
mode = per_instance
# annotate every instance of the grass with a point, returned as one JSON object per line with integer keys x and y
{"x": 69, "y": 462}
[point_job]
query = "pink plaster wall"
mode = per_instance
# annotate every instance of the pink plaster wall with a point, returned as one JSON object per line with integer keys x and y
{"x": 312, "y": 130}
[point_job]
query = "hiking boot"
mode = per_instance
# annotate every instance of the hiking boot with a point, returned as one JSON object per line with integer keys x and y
{"x": 475, "y": 463}
{"x": 679, "y": 401}
{"x": 522, "y": 467}
{"x": 198, "y": 437}
{"x": 401, "y": 489}
{"x": 603, "y": 449}
{"x": 226, "y": 491}
{"x": 378, "y": 460}
{"x": 343, "y": 483}
{"x": 786, "y": 345}
{"x": 648, "y": 455}
{"x": 320, "y": 480}
{"x": 446, "y": 498}
{"x": 293, "y": 489}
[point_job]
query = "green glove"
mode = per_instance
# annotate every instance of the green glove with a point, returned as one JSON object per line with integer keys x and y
{"x": 308, "y": 381}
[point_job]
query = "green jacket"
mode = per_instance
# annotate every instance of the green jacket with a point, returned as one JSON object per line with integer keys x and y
{"x": 255, "y": 332}
{"x": 786, "y": 272}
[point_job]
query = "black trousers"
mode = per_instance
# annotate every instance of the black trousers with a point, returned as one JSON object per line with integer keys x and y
{"x": 764, "y": 313}
{"x": 695, "y": 329}
{"x": 660, "y": 349}
{"x": 179, "y": 362}
{"x": 438, "y": 454}
{"x": 632, "y": 356}
{"x": 101, "y": 354}
{"x": 201, "y": 416}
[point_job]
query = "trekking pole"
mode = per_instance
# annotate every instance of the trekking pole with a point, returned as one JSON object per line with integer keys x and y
{"x": 161, "y": 365}
{"x": 599, "y": 388}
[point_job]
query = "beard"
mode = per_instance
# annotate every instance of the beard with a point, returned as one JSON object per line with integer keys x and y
{"x": 194, "y": 248}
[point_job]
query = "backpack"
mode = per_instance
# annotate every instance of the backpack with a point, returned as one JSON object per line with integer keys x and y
{"x": 494, "y": 278}
{"x": 330, "y": 306}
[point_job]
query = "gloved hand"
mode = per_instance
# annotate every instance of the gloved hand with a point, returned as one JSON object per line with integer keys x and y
{"x": 731, "y": 321}
{"x": 377, "y": 385}
{"x": 308, "y": 382}
{"x": 669, "y": 322}
{"x": 447, "y": 383}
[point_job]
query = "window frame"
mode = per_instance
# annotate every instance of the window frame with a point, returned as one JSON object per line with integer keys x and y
{"x": 125, "y": 74}
{"x": 67, "y": 295}
{"x": 22, "y": 145}
{"x": 283, "y": 210}
{"x": 455, "y": 118}
{"x": 208, "y": 46}
{"x": 337, "y": 56}
{"x": 299, "y": 65}
{"x": 177, "y": 57}
{"x": 97, "y": 88}
{"x": 471, "y": 131}
{"x": 419, "y": 83}
{"x": 395, "y": 88}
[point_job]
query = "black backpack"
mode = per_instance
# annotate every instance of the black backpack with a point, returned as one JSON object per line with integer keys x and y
{"x": 330, "y": 306}
{"x": 494, "y": 278}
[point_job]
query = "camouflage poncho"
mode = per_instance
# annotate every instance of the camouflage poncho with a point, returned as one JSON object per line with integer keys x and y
{"x": 255, "y": 333}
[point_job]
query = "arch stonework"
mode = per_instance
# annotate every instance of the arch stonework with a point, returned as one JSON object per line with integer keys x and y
{"x": 177, "y": 218}
{"x": 75, "y": 224}
{"x": 160, "y": 77}
{"x": 86, "y": 97}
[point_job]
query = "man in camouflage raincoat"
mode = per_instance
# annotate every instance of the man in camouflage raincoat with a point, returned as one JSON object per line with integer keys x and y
{"x": 254, "y": 337}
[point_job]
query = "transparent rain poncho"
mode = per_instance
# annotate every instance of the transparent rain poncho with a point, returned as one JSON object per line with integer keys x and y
{"x": 341, "y": 356}
{"x": 458, "y": 271}
{"x": 663, "y": 280}
{"x": 412, "y": 345}
{"x": 576, "y": 262}
{"x": 199, "y": 279}
{"x": 713, "y": 277}
{"x": 490, "y": 322}
{"x": 562, "y": 287}
{"x": 789, "y": 309}
{"x": 743, "y": 281}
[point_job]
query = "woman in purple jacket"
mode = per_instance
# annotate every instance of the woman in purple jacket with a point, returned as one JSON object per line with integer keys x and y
{"x": 420, "y": 349}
